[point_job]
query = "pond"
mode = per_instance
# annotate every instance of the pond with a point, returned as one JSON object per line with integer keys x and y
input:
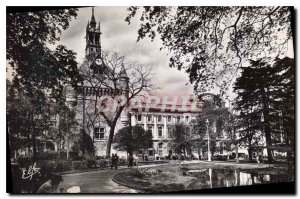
{"x": 167, "y": 178}
{"x": 214, "y": 178}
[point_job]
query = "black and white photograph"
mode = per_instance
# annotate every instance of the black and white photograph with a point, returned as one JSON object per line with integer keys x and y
{"x": 150, "y": 99}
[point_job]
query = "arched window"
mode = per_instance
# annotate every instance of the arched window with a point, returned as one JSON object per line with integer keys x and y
{"x": 149, "y": 118}
{"x": 159, "y": 118}
{"x": 160, "y": 131}
{"x": 139, "y": 118}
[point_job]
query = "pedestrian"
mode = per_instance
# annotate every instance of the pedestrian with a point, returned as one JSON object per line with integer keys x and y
{"x": 112, "y": 160}
{"x": 52, "y": 185}
{"x": 261, "y": 160}
{"x": 130, "y": 161}
{"x": 116, "y": 161}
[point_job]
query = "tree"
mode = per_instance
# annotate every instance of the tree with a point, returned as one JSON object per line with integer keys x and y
{"x": 286, "y": 94}
{"x": 231, "y": 130}
{"x": 249, "y": 134}
{"x": 27, "y": 116}
{"x": 262, "y": 96}
{"x": 215, "y": 113}
{"x": 63, "y": 133}
{"x": 35, "y": 65}
{"x": 131, "y": 139}
{"x": 211, "y": 43}
{"x": 109, "y": 74}
{"x": 182, "y": 139}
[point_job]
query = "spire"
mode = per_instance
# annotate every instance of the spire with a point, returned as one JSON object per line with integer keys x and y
{"x": 93, "y": 21}
{"x": 123, "y": 72}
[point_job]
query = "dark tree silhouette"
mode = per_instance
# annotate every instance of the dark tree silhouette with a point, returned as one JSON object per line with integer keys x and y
{"x": 33, "y": 63}
{"x": 211, "y": 43}
{"x": 265, "y": 92}
{"x": 131, "y": 139}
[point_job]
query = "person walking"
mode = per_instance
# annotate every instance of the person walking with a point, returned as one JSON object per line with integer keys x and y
{"x": 116, "y": 161}
{"x": 112, "y": 161}
{"x": 130, "y": 161}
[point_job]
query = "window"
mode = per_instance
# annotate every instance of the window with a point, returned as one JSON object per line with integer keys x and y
{"x": 149, "y": 118}
{"x": 139, "y": 118}
{"x": 170, "y": 132}
{"x": 150, "y": 152}
{"x": 150, "y": 128}
{"x": 99, "y": 133}
{"x": 178, "y": 119}
{"x": 160, "y": 129}
{"x": 169, "y": 118}
{"x": 160, "y": 151}
{"x": 159, "y": 118}
{"x": 186, "y": 119}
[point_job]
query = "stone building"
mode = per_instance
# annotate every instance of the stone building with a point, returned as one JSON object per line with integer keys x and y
{"x": 159, "y": 118}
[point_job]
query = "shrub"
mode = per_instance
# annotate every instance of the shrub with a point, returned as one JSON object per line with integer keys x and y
{"x": 102, "y": 163}
{"x": 91, "y": 163}
{"x": 140, "y": 173}
{"x": 74, "y": 155}
{"x": 62, "y": 165}
{"x": 122, "y": 162}
{"x": 220, "y": 157}
{"x": 49, "y": 155}
{"x": 77, "y": 165}
{"x": 24, "y": 161}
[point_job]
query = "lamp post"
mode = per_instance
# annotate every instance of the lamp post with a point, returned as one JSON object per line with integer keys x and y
{"x": 208, "y": 141}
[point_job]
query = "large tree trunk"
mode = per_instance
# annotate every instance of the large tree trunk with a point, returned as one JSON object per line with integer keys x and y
{"x": 267, "y": 127}
{"x": 269, "y": 143}
{"x": 250, "y": 153}
{"x": 237, "y": 153}
{"x": 110, "y": 140}
{"x": 250, "y": 149}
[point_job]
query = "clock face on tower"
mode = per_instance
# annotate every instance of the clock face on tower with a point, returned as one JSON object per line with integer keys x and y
{"x": 98, "y": 61}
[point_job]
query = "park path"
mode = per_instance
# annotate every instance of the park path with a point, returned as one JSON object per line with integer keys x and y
{"x": 98, "y": 181}
{"x": 95, "y": 182}
{"x": 101, "y": 181}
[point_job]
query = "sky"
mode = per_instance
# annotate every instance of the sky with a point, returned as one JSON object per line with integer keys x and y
{"x": 120, "y": 37}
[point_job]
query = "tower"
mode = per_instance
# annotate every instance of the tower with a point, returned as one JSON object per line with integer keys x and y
{"x": 124, "y": 86}
{"x": 123, "y": 80}
{"x": 93, "y": 38}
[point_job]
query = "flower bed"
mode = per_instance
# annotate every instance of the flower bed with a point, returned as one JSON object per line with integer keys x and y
{"x": 153, "y": 180}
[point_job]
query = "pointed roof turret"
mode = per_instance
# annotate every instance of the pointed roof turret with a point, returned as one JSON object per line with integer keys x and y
{"x": 123, "y": 72}
{"x": 93, "y": 21}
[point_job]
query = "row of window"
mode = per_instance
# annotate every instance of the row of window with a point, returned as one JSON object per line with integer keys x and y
{"x": 160, "y": 130}
{"x": 99, "y": 132}
{"x": 159, "y": 118}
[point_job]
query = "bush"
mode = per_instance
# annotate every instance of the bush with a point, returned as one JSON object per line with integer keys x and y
{"x": 76, "y": 164}
{"x": 102, "y": 163}
{"x": 219, "y": 157}
{"x": 62, "y": 165}
{"x": 140, "y": 173}
{"x": 91, "y": 163}
{"x": 74, "y": 155}
{"x": 49, "y": 155}
{"x": 24, "y": 161}
{"x": 122, "y": 162}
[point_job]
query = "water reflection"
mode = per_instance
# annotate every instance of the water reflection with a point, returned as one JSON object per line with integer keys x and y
{"x": 213, "y": 178}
